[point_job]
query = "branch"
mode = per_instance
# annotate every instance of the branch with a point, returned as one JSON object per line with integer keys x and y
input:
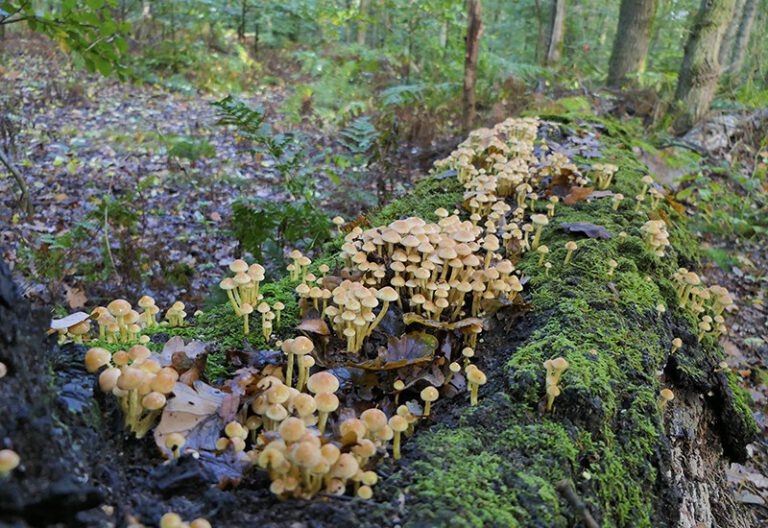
{"x": 24, "y": 200}
{"x": 565, "y": 488}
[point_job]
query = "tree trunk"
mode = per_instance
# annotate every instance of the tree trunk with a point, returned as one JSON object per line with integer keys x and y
{"x": 362, "y": 25}
{"x": 726, "y": 46}
{"x": 555, "y": 34}
{"x": 633, "y": 36}
{"x": 700, "y": 70}
{"x": 743, "y": 36}
{"x": 474, "y": 31}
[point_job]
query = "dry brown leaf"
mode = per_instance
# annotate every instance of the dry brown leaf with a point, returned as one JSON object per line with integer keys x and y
{"x": 76, "y": 297}
{"x": 314, "y": 326}
{"x": 577, "y": 194}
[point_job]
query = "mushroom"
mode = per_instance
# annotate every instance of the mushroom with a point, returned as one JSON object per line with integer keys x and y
{"x": 338, "y": 222}
{"x": 570, "y": 246}
{"x": 475, "y": 378}
{"x": 245, "y": 311}
{"x": 9, "y": 460}
{"x": 543, "y": 251}
{"x": 398, "y": 385}
{"x": 616, "y": 201}
{"x": 96, "y": 358}
{"x": 171, "y": 520}
{"x": 278, "y": 307}
{"x": 666, "y": 396}
{"x": 3, "y": 370}
{"x": 398, "y": 425}
{"x": 539, "y": 221}
{"x": 174, "y": 442}
{"x": 119, "y": 308}
{"x": 429, "y": 394}
{"x": 676, "y": 344}
{"x": 299, "y": 348}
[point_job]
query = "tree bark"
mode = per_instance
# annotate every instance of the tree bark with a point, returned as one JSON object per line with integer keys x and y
{"x": 743, "y": 36}
{"x": 474, "y": 32}
{"x": 362, "y": 25}
{"x": 555, "y": 34}
{"x": 700, "y": 70}
{"x": 729, "y": 38}
{"x": 633, "y": 35}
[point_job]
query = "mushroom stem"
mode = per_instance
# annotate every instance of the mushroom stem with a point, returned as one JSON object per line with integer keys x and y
{"x": 322, "y": 420}
{"x": 233, "y": 302}
{"x": 473, "y": 387}
{"x": 568, "y": 256}
{"x": 289, "y": 371}
{"x": 396, "y": 446}
{"x": 246, "y": 331}
{"x": 537, "y": 237}
{"x": 427, "y": 407}
{"x": 302, "y": 378}
{"x": 379, "y": 317}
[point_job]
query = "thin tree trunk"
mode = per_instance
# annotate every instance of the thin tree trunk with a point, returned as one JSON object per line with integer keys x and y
{"x": 556, "y": 33}
{"x": 729, "y": 38}
{"x": 362, "y": 25}
{"x": 25, "y": 202}
{"x": 700, "y": 71}
{"x": 474, "y": 32}
{"x": 633, "y": 35}
{"x": 743, "y": 35}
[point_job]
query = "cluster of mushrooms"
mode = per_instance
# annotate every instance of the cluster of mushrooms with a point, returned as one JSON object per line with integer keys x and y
{"x": 445, "y": 275}
{"x": 118, "y": 322}
{"x": 707, "y": 303}
{"x": 138, "y": 380}
{"x": 243, "y": 292}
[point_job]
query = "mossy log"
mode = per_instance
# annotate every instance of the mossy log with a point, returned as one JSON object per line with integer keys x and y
{"x": 608, "y": 454}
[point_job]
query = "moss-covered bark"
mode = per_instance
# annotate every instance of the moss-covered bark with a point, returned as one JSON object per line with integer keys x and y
{"x": 497, "y": 464}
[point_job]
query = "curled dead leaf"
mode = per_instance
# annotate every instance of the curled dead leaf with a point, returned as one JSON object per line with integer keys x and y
{"x": 69, "y": 321}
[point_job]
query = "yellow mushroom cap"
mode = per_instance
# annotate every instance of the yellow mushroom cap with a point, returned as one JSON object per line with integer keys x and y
{"x": 292, "y": 429}
{"x": 146, "y": 301}
{"x": 540, "y": 219}
{"x": 153, "y": 401}
{"x": 365, "y": 492}
{"x": 667, "y": 395}
{"x": 370, "y": 478}
{"x": 108, "y": 379}
{"x": 96, "y": 358}
{"x": 278, "y": 306}
{"x": 398, "y": 423}
{"x": 9, "y": 460}
{"x": 119, "y": 307}
{"x": 175, "y": 441}
{"x": 238, "y": 266}
{"x": 322, "y": 382}
{"x": 677, "y": 342}
{"x": 337, "y": 220}
{"x": 326, "y": 402}
{"x": 429, "y": 394}
{"x": 306, "y": 454}
{"x": 455, "y": 367}
{"x": 398, "y": 385}
{"x": 227, "y": 284}
{"x": 303, "y": 345}
{"x": 171, "y": 520}
{"x": 345, "y": 467}
{"x": 246, "y": 308}
{"x": 200, "y": 523}
{"x": 131, "y": 378}
{"x": 139, "y": 353}
{"x": 476, "y": 376}
{"x": 571, "y": 245}
{"x": 374, "y": 419}
{"x": 387, "y": 294}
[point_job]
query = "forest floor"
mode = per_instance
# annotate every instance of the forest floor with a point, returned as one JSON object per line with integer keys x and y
{"x": 142, "y": 167}
{"x": 85, "y": 142}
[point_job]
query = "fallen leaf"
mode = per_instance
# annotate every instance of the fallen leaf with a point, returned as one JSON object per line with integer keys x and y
{"x": 577, "y": 194}
{"x": 585, "y": 228}
{"x": 76, "y": 297}
{"x": 314, "y": 326}
{"x": 411, "y": 317}
{"x": 176, "y": 345}
{"x": 410, "y": 349}
{"x": 193, "y": 412}
{"x": 69, "y": 321}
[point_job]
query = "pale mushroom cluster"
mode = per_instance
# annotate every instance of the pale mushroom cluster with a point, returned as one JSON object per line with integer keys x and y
{"x": 440, "y": 271}
{"x": 555, "y": 368}
{"x": 139, "y": 382}
{"x": 708, "y": 303}
{"x": 245, "y": 298}
{"x": 655, "y": 236}
{"x": 604, "y": 173}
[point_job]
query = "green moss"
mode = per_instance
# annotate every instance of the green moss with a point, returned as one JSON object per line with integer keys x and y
{"x": 604, "y": 431}
{"x": 422, "y": 201}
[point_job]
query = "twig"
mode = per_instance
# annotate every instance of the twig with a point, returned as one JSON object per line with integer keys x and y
{"x": 25, "y": 203}
{"x": 107, "y": 245}
{"x": 565, "y": 488}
